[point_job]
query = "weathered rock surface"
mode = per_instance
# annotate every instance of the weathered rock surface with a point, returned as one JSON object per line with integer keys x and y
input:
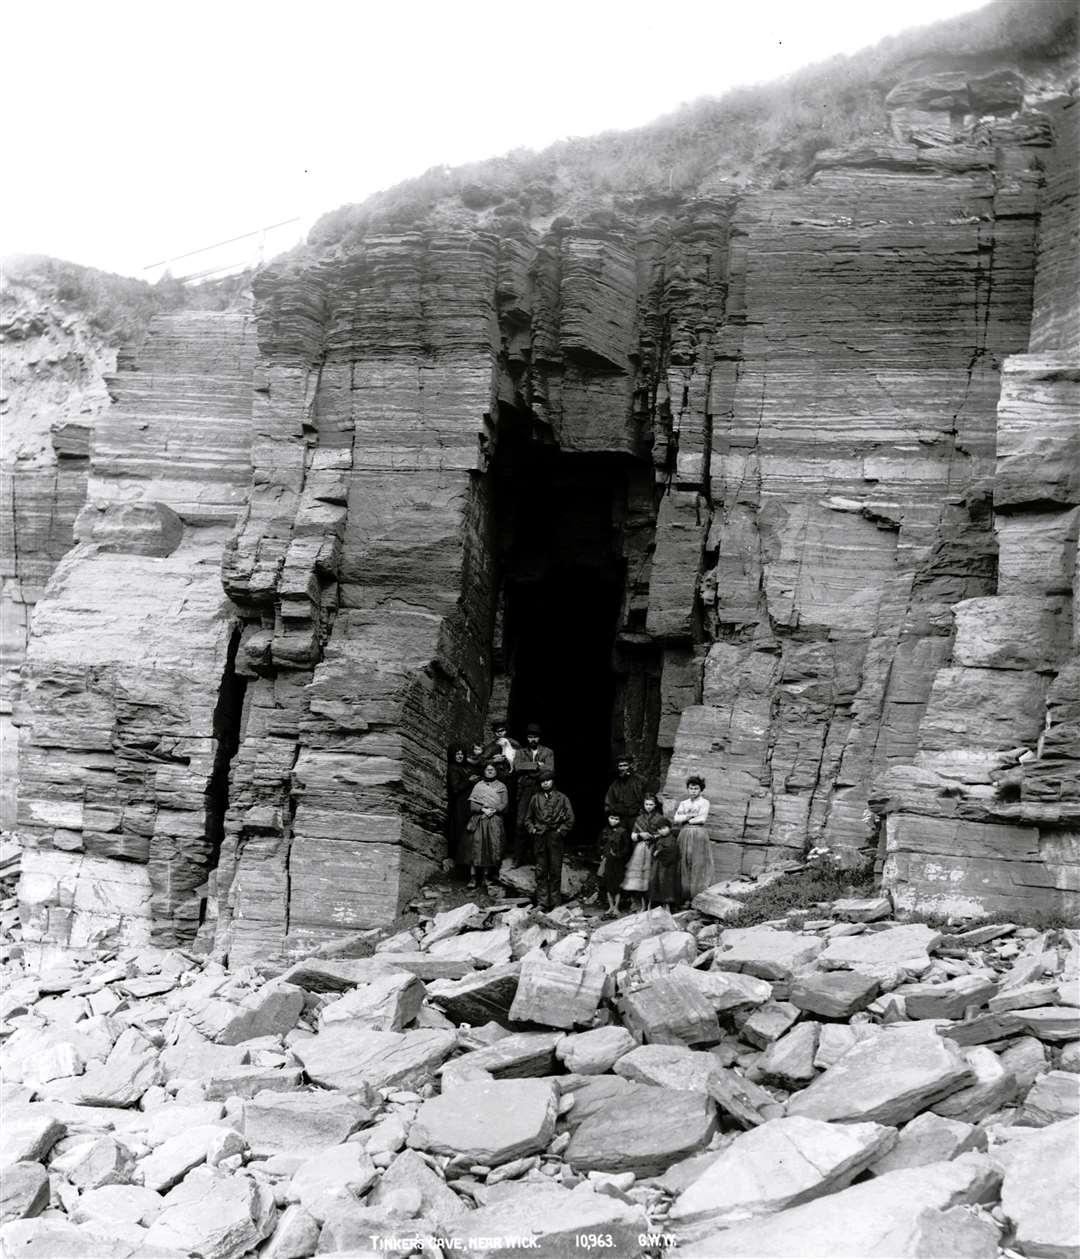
{"x": 903, "y": 1215}
{"x": 489, "y": 1122}
{"x": 889, "y": 1079}
{"x": 644, "y": 1132}
{"x": 348, "y": 1057}
{"x": 780, "y": 1164}
{"x": 1038, "y": 1194}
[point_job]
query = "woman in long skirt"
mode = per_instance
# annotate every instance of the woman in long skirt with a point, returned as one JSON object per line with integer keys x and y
{"x": 643, "y": 835}
{"x": 460, "y": 779}
{"x": 488, "y": 801}
{"x": 696, "y": 871}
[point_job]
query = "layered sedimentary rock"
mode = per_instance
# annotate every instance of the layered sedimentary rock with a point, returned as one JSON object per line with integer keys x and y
{"x": 53, "y": 391}
{"x": 818, "y": 445}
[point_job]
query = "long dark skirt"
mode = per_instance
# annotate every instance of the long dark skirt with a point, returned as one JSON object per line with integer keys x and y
{"x": 483, "y": 842}
{"x": 696, "y": 862}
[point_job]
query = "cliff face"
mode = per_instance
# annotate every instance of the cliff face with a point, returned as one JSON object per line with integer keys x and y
{"x": 777, "y": 486}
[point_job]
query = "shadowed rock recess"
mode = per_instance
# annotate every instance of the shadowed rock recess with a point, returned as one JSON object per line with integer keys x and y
{"x": 799, "y": 471}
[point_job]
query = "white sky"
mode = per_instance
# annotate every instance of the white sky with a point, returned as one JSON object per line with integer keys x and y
{"x": 137, "y": 131}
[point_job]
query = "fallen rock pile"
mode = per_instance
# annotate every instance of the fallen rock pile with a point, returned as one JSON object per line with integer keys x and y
{"x": 495, "y": 1079}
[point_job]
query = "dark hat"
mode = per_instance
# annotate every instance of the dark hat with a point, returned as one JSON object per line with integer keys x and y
{"x": 532, "y": 728}
{"x": 545, "y": 774}
{"x": 498, "y": 723}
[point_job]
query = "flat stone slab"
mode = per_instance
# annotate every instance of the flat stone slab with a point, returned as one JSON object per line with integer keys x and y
{"x": 671, "y": 1010}
{"x": 1053, "y": 1097}
{"x": 548, "y": 1222}
{"x": 316, "y": 974}
{"x": 635, "y": 927}
{"x": 908, "y": 1214}
{"x": 1053, "y": 1022}
{"x": 517, "y": 1056}
{"x": 726, "y": 990}
{"x": 118, "y": 1204}
{"x": 644, "y": 1132}
{"x": 350, "y": 1058}
{"x": 489, "y": 1122}
{"x": 409, "y": 1172}
{"x": 888, "y": 1080}
{"x": 478, "y": 948}
{"x": 319, "y": 1182}
{"x": 790, "y": 1060}
{"x": 24, "y": 1191}
{"x": 906, "y": 947}
{"x": 775, "y": 1166}
{"x": 1038, "y": 1193}
{"x": 28, "y": 1138}
{"x": 928, "y": 1138}
{"x": 834, "y": 994}
{"x": 386, "y": 1004}
{"x": 765, "y": 952}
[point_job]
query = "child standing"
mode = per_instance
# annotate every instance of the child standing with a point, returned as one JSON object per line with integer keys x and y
{"x": 664, "y": 879}
{"x": 614, "y": 844}
{"x": 642, "y": 836}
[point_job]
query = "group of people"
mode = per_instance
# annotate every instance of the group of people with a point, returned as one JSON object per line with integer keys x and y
{"x": 502, "y": 796}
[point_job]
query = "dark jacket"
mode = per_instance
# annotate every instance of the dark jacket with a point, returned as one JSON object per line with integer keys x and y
{"x": 664, "y": 879}
{"x": 549, "y": 812}
{"x": 624, "y": 797}
{"x": 615, "y": 847}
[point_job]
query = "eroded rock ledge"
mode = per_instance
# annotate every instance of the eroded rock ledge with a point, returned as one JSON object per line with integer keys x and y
{"x": 839, "y": 426}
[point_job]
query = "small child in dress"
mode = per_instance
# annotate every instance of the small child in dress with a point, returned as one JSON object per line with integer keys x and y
{"x": 664, "y": 878}
{"x": 614, "y": 844}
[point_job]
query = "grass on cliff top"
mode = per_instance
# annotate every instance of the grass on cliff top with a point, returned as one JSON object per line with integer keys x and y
{"x": 765, "y": 135}
{"x": 117, "y": 307}
{"x": 803, "y": 890}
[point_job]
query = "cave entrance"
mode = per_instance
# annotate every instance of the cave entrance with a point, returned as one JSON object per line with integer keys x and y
{"x": 562, "y": 573}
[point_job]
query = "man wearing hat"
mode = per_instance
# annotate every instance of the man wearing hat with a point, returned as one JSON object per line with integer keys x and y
{"x": 549, "y": 820}
{"x": 530, "y": 761}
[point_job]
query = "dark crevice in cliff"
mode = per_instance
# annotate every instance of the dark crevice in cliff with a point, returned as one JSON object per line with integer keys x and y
{"x": 227, "y": 720}
{"x": 562, "y": 573}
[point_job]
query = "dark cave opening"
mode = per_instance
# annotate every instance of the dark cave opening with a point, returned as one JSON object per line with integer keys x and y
{"x": 562, "y": 579}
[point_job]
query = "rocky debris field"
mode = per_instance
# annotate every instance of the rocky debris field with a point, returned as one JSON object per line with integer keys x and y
{"x": 497, "y": 1081}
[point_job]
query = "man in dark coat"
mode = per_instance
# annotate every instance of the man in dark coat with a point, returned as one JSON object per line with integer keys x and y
{"x": 549, "y": 819}
{"x": 625, "y": 794}
{"x": 529, "y": 763}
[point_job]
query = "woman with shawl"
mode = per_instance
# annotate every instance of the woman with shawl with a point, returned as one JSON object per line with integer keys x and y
{"x": 486, "y": 835}
{"x": 459, "y": 783}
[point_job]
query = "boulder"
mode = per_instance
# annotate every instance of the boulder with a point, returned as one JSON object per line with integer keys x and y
{"x": 350, "y": 1058}
{"x": 340, "y": 1171}
{"x": 295, "y": 1237}
{"x": 547, "y": 1221}
{"x": 790, "y": 1060}
{"x": 595, "y": 1051}
{"x": 247, "y": 1081}
{"x": 104, "y": 1161}
{"x": 278, "y": 1123}
{"x": 478, "y": 997}
{"x": 992, "y": 1088}
{"x": 120, "y": 1081}
{"x": 24, "y": 1191}
{"x": 556, "y": 995}
{"x": 1024, "y": 997}
{"x": 174, "y": 1158}
{"x": 726, "y": 990}
{"x": 768, "y": 1022}
{"x": 862, "y": 909}
{"x": 590, "y": 1094}
{"x": 386, "y": 1004}
{"x": 908, "y": 1214}
{"x": 1053, "y": 1097}
{"x": 928, "y": 1138}
{"x": 669, "y": 1066}
{"x": 714, "y": 904}
{"x": 1038, "y": 1194}
{"x": 166, "y": 1121}
{"x": 766, "y": 952}
{"x": 118, "y": 1204}
{"x": 214, "y": 1216}
{"x": 775, "y": 1166}
{"x": 671, "y": 1010}
{"x": 1027, "y": 1058}
{"x": 519, "y": 1055}
{"x": 888, "y": 1079}
{"x": 488, "y": 1122}
{"x": 643, "y": 1132}
{"x": 665, "y": 949}
{"x": 28, "y": 1137}
{"x": 409, "y": 1172}
{"x": 833, "y": 994}
{"x": 948, "y": 1000}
